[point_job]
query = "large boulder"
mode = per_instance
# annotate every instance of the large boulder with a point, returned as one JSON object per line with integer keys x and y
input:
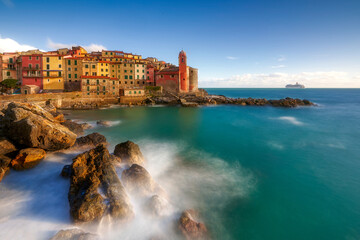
{"x": 92, "y": 172}
{"x": 74, "y": 234}
{"x": 91, "y": 140}
{"x": 190, "y": 227}
{"x": 138, "y": 181}
{"x": 129, "y": 153}
{"x": 28, "y": 158}
{"x": 31, "y": 126}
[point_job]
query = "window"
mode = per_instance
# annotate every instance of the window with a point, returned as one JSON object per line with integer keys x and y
{"x": 48, "y": 80}
{"x": 129, "y": 92}
{"x": 140, "y": 92}
{"x": 134, "y": 92}
{"x": 102, "y": 70}
{"x": 93, "y": 66}
{"x": 48, "y": 74}
{"x": 172, "y": 76}
{"x": 137, "y": 65}
{"x": 69, "y": 69}
{"x": 8, "y": 74}
{"x": 47, "y": 59}
{"x": 104, "y": 88}
{"x": 59, "y": 65}
{"x": 124, "y": 64}
{"x": 148, "y": 78}
{"x": 75, "y": 69}
{"x": 113, "y": 87}
{"x": 130, "y": 71}
{"x": 69, "y": 75}
{"x": 137, "y": 70}
{"x": 86, "y": 66}
{"x": 143, "y": 82}
{"x": 48, "y": 66}
{"x": 97, "y": 88}
{"x": 137, "y": 76}
{"x": 88, "y": 93}
{"x": 147, "y": 72}
{"x": 113, "y": 82}
{"x": 59, "y": 80}
{"x": 59, "y": 74}
{"x": 75, "y": 63}
{"x": 125, "y": 71}
{"x": 29, "y": 57}
{"x": 69, "y": 62}
{"x": 75, "y": 75}
{"x": 125, "y": 82}
{"x": 88, "y": 81}
{"x": 143, "y": 71}
{"x": 37, "y": 58}
{"x": 130, "y": 76}
{"x": 30, "y": 65}
{"x": 94, "y": 74}
{"x": 104, "y": 81}
{"x": 88, "y": 88}
{"x": 97, "y": 81}
{"x": 37, "y": 66}
{"x": 131, "y": 82}
{"x": 126, "y": 76}
{"x": 143, "y": 77}
{"x": 10, "y": 60}
{"x": 59, "y": 58}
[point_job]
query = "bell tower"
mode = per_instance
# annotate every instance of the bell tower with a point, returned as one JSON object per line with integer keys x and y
{"x": 183, "y": 76}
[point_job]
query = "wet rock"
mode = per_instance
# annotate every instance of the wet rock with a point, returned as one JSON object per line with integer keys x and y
{"x": 190, "y": 227}
{"x": 28, "y": 158}
{"x": 66, "y": 171}
{"x": 138, "y": 181}
{"x": 129, "y": 153}
{"x": 75, "y": 127}
{"x": 91, "y": 140}
{"x": 4, "y": 166}
{"x": 104, "y": 123}
{"x": 6, "y": 146}
{"x": 32, "y": 126}
{"x": 156, "y": 206}
{"x": 90, "y": 172}
{"x": 74, "y": 234}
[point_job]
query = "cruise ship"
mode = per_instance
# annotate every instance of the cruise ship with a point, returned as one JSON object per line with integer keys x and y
{"x": 297, "y": 85}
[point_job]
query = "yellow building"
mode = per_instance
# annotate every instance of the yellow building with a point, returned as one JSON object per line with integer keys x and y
{"x": 53, "y": 76}
{"x": 73, "y": 72}
{"x": 92, "y": 86}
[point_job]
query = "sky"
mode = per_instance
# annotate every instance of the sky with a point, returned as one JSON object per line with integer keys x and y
{"x": 244, "y": 43}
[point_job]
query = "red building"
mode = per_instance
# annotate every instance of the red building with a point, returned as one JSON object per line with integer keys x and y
{"x": 31, "y": 70}
{"x": 168, "y": 78}
{"x": 150, "y": 81}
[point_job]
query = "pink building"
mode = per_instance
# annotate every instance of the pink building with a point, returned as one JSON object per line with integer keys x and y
{"x": 31, "y": 70}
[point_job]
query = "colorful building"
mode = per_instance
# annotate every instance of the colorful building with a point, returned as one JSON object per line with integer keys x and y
{"x": 92, "y": 86}
{"x": 9, "y": 66}
{"x": 73, "y": 72}
{"x": 53, "y": 73}
{"x": 31, "y": 70}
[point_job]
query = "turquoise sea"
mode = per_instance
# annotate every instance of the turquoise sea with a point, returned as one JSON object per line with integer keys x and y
{"x": 252, "y": 172}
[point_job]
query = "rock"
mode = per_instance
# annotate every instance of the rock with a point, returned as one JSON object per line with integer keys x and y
{"x": 74, "y": 234}
{"x": 138, "y": 181}
{"x": 85, "y": 126}
{"x": 28, "y": 158}
{"x": 6, "y": 146}
{"x": 66, "y": 171}
{"x": 156, "y": 206}
{"x": 90, "y": 172}
{"x": 129, "y": 153}
{"x": 104, "y": 123}
{"x": 91, "y": 140}
{"x": 189, "y": 104}
{"x": 4, "y": 166}
{"x": 76, "y": 128}
{"x": 58, "y": 116}
{"x": 190, "y": 227}
{"x": 32, "y": 126}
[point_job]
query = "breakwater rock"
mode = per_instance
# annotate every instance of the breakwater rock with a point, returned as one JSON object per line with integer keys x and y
{"x": 193, "y": 101}
{"x": 129, "y": 153}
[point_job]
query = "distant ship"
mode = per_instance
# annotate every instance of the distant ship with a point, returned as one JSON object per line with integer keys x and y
{"x": 297, "y": 85}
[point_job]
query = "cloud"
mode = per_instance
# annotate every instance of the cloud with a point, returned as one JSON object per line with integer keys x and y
{"x": 231, "y": 58}
{"x": 8, "y": 3}
{"x": 318, "y": 79}
{"x": 281, "y": 59}
{"x": 91, "y": 48}
{"x": 10, "y": 45}
{"x": 278, "y": 66}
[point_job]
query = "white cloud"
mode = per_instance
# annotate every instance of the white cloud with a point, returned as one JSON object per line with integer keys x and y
{"x": 91, "y": 48}
{"x": 231, "y": 58}
{"x": 8, "y": 3}
{"x": 278, "y": 66}
{"x": 10, "y": 45}
{"x": 281, "y": 59}
{"x": 319, "y": 79}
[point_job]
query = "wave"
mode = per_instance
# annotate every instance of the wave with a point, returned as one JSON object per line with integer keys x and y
{"x": 291, "y": 120}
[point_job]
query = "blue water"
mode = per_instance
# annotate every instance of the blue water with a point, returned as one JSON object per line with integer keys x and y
{"x": 253, "y": 172}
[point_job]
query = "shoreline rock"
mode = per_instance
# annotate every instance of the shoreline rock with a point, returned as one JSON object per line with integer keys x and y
{"x": 74, "y": 234}
{"x": 90, "y": 140}
{"x": 190, "y": 227}
{"x": 28, "y": 158}
{"x": 129, "y": 152}
{"x": 90, "y": 172}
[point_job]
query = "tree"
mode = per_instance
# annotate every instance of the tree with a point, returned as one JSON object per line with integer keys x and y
{"x": 9, "y": 83}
